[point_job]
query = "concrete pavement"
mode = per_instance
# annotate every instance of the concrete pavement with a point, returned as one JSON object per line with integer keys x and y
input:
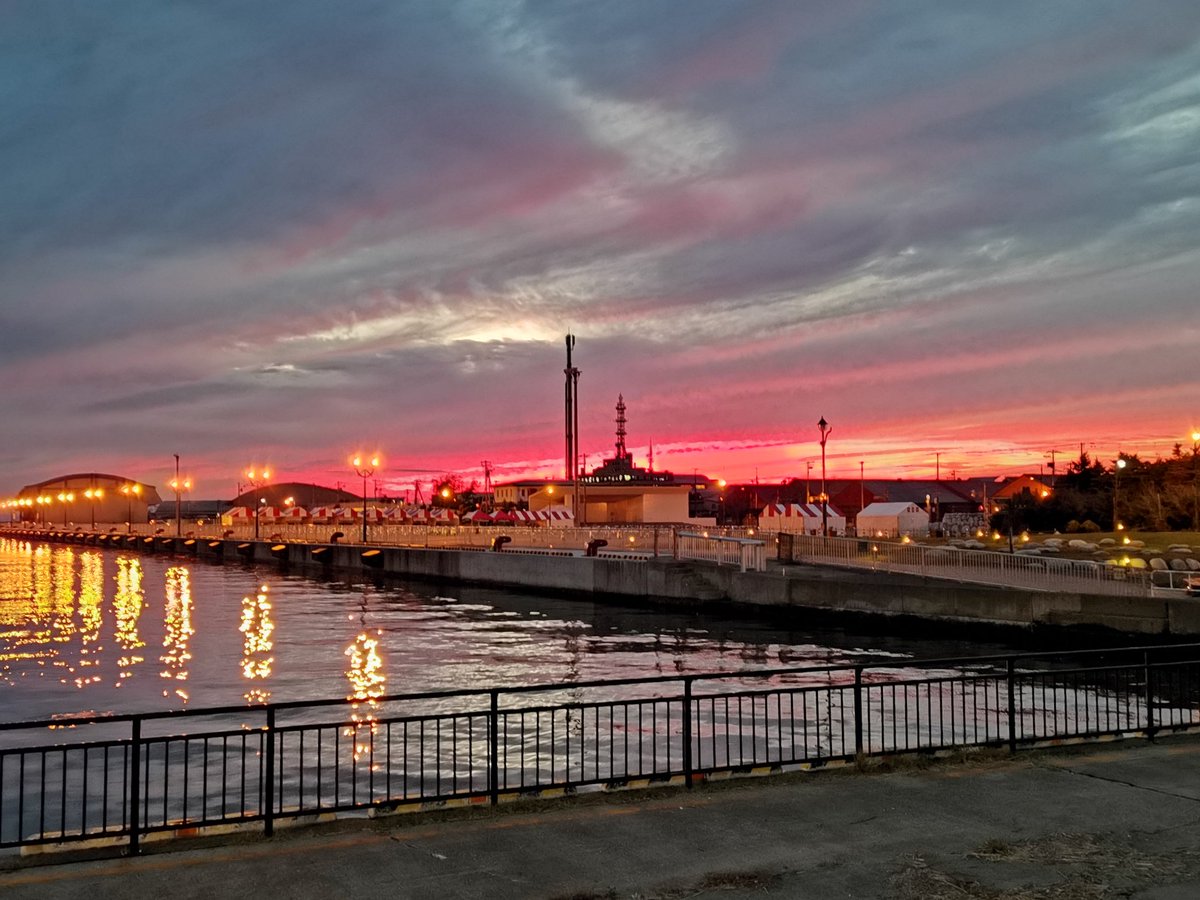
{"x": 1102, "y": 821}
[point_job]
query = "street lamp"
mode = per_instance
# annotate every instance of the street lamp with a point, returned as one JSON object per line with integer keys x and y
{"x": 130, "y": 491}
{"x": 1195, "y": 483}
{"x": 1117, "y": 492}
{"x": 64, "y": 498}
{"x": 364, "y": 468}
{"x": 180, "y": 486}
{"x": 258, "y": 479}
{"x": 94, "y": 494}
{"x": 825, "y": 428}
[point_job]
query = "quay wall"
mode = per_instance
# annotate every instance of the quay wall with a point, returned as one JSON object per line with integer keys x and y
{"x": 794, "y": 588}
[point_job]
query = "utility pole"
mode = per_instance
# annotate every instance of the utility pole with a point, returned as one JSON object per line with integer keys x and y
{"x": 825, "y": 428}
{"x": 487, "y": 481}
{"x": 572, "y": 428}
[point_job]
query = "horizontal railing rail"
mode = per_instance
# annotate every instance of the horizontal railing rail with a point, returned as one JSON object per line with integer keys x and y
{"x": 1039, "y": 573}
{"x": 120, "y": 777}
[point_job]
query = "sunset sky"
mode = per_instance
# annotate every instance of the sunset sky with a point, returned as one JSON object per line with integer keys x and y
{"x": 281, "y": 231}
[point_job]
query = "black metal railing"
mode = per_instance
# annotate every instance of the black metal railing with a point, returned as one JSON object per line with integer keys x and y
{"x": 122, "y": 777}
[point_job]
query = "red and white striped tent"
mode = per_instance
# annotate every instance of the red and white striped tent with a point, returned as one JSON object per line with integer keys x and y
{"x": 321, "y": 513}
{"x": 238, "y": 512}
{"x": 504, "y": 515}
{"x": 374, "y": 514}
{"x": 477, "y": 517}
{"x": 801, "y": 518}
{"x": 270, "y": 513}
{"x": 395, "y": 514}
{"x": 543, "y": 516}
{"x": 295, "y": 514}
{"x": 439, "y": 516}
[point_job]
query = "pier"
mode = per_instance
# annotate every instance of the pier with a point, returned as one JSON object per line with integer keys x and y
{"x": 674, "y": 567}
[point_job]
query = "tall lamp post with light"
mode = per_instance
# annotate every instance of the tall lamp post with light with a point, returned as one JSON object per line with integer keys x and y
{"x": 64, "y": 498}
{"x": 258, "y": 479}
{"x": 825, "y": 428}
{"x": 93, "y": 494}
{"x": 1195, "y": 482}
{"x": 1120, "y": 466}
{"x": 130, "y": 491}
{"x": 364, "y": 468}
{"x": 180, "y": 486}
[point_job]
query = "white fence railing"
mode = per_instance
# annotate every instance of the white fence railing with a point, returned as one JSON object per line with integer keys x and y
{"x": 747, "y": 553}
{"x": 978, "y": 566}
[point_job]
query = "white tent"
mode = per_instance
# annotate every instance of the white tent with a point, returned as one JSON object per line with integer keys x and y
{"x": 893, "y": 520}
{"x": 801, "y": 518}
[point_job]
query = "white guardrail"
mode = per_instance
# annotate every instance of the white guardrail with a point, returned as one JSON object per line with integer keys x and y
{"x": 724, "y": 546}
{"x": 1036, "y": 573}
{"x": 748, "y": 554}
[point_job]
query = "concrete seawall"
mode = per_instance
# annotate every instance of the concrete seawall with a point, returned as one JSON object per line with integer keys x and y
{"x": 799, "y": 588}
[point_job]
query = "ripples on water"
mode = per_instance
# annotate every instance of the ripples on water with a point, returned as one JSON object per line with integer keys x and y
{"x": 91, "y": 630}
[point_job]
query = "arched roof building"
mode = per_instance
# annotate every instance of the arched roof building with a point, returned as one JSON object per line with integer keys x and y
{"x": 87, "y": 498}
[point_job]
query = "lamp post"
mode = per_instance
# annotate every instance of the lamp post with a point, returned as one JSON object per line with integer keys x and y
{"x": 258, "y": 479}
{"x": 825, "y": 428}
{"x": 130, "y": 491}
{"x": 862, "y": 491}
{"x": 180, "y": 487}
{"x": 364, "y": 469}
{"x": 64, "y": 498}
{"x": 94, "y": 494}
{"x": 1195, "y": 483}
{"x": 1117, "y": 492}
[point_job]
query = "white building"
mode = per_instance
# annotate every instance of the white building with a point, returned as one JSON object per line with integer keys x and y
{"x": 893, "y": 520}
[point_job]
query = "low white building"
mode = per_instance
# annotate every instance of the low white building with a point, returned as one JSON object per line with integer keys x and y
{"x": 893, "y": 520}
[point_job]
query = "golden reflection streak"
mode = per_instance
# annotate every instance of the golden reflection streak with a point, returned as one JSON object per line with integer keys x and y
{"x": 367, "y": 681}
{"x": 17, "y": 586}
{"x": 256, "y": 628}
{"x": 177, "y": 628}
{"x": 127, "y": 607}
{"x": 91, "y": 614}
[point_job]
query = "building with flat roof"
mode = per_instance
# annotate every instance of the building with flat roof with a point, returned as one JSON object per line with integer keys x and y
{"x": 618, "y": 491}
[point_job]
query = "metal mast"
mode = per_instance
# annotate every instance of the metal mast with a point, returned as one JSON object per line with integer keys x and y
{"x": 572, "y": 426}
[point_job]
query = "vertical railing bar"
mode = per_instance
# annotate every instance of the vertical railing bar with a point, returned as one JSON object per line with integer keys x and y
{"x": 687, "y": 732}
{"x": 1011, "y": 670}
{"x": 1149, "y": 694}
{"x": 268, "y": 800}
{"x": 135, "y": 765}
{"x": 858, "y": 708}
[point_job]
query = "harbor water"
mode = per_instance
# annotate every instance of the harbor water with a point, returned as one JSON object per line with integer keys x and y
{"x": 96, "y": 631}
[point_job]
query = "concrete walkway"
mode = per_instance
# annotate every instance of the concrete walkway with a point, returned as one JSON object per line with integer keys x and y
{"x": 1105, "y": 821}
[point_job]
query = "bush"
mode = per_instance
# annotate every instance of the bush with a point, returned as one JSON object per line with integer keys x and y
{"x": 1073, "y": 527}
{"x": 1089, "y": 526}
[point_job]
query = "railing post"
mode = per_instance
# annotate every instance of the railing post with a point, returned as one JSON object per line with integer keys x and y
{"x": 135, "y": 785}
{"x": 1012, "y": 705}
{"x": 269, "y": 787}
{"x": 1149, "y": 694}
{"x": 494, "y": 749}
{"x": 858, "y": 707}
{"x": 687, "y": 731}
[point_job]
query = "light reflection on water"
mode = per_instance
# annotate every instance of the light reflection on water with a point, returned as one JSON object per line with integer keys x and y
{"x": 75, "y": 628}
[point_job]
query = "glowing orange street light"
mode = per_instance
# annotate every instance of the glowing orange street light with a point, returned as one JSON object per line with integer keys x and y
{"x": 94, "y": 494}
{"x": 258, "y": 479}
{"x": 64, "y": 498}
{"x": 130, "y": 491}
{"x": 364, "y": 468}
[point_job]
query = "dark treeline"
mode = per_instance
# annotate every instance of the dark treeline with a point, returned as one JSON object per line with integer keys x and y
{"x": 1163, "y": 495}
